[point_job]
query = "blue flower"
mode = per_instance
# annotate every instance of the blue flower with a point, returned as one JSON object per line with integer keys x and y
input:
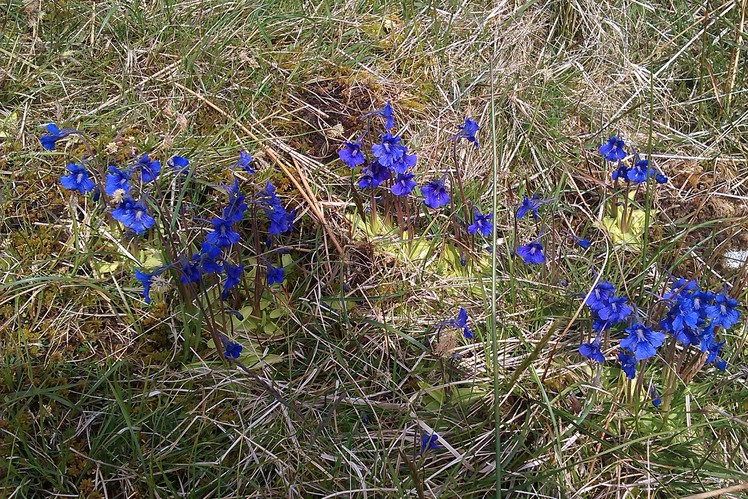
{"x": 467, "y": 333}
{"x": 233, "y": 276}
{"x": 149, "y": 170}
{"x": 222, "y": 235}
{"x": 529, "y": 205}
{"x": 179, "y": 164}
{"x": 403, "y": 184}
{"x": 351, "y": 154}
{"x": 234, "y": 210}
{"x": 146, "y": 280}
{"x": 655, "y": 397}
{"x": 713, "y": 355}
{"x": 77, "y": 180}
{"x": 583, "y": 243}
{"x": 386, "y": 113}
{"x": 117, "y": 179}
{"x": 389, "y": 151}
{"x": 281, "y": 221}
{"x": 640, "y": 172}
{"x": 532, "y": 253}
{"x": 481, "y": 223}
{"x": 244, "y": 162}
{"x": 461, "y": 320}
{"x": 599, "y": 325}
{"x": 133, "y": 215}
{"x": 434, "y": 194}
{"x": 622, "y": 172}
{"x": 681, "y": 315}
{"x": 275, "y": 275}
{"x": 374, "y": 175}
{"x": 232, "y": 350}
{"x": 700, "y": 303}
{"x": 189, "y": 270}
{"x": 209, "y": 254}
{"x": 723, "y": 311}
{"x": 642, "y": 341}
{"x": 600, "y": 295}
{"x": 613, "y": 150}
{"x": 660, "y": 178}
{"x": 468, "y": 130}
{"x": 428, "y": 442}
{"x": 53, "y": 135}
{"x": 615, "y": 310}
{"x": 405, "y": 163}
{"x": 628, "y": 363}
{"x": 592, "y": 350}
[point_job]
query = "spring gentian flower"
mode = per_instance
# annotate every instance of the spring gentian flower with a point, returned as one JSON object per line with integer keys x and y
{"x": 532, "y": 253}
{"x": 275, "y": 275}
{"x": 53, "y": 135}
{"x": 481, "y": 223}
{"x": 389, "y": 151}
{"x": 351, "y": 154}
{"x": 428, "y": 442}
{"x": 642, "y": 341}
{"x": 233, "y": 275}
{"x": 77, "y": 180}
{"x": 468, "y": 130}
{"x": 628, "y": 363}
{"x": 592, "y": 350}
{"x": 117, "y": 179}
{"x": 149, "y": 170}
{"x": 403, "y": 184}
{"x": 179, "y": 164}
{"x": 434, "y": 194}
{"x": 222, "y": 235}
{"x": 640, "y": 172}
{"x": 529, "y": 205}
{"x": 613, "y": 150}
{"x": 244, "y": 162}
{"x": 723, "y": 311}
{"x": 660, "y": 178}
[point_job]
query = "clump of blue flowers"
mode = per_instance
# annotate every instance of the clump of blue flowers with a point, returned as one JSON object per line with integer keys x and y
{"x": 209, "y": 268}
